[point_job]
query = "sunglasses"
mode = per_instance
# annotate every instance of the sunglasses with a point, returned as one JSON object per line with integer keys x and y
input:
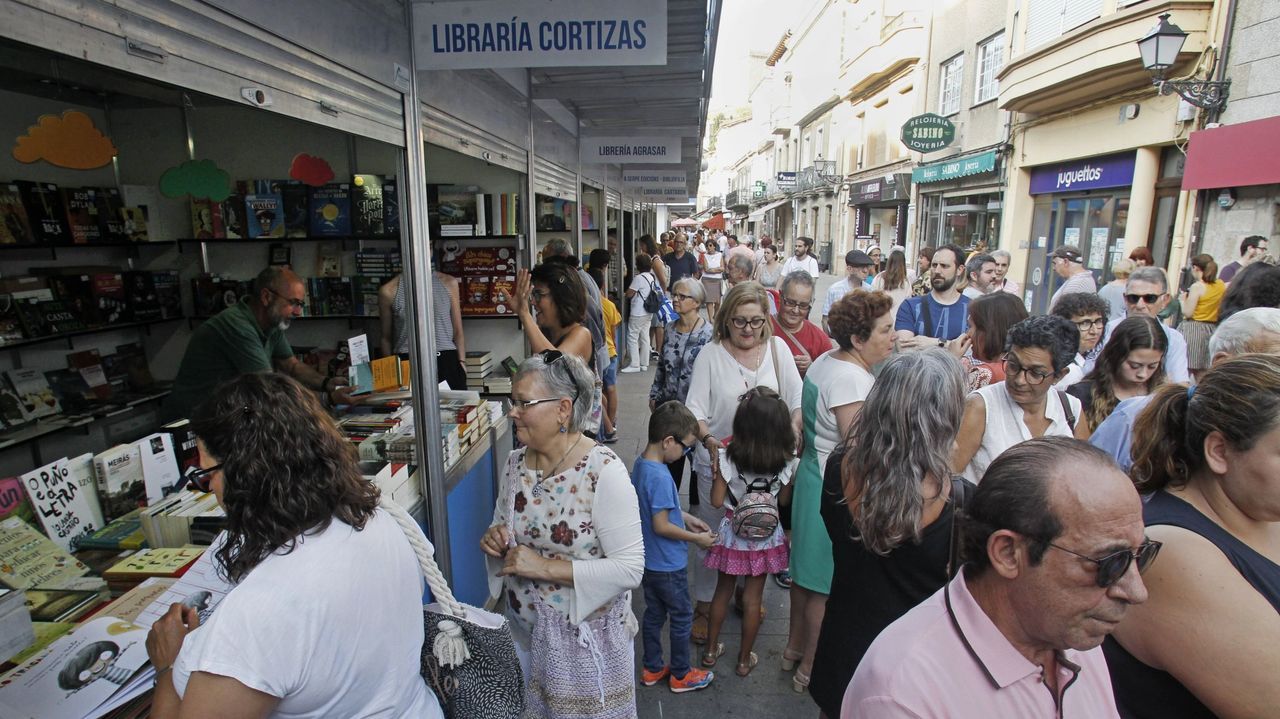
{"x": 200, "y": 478}
{"x": 1113, "y": 566}
{"x": 688, "y": 448}
{"x": 1149, "y": 299}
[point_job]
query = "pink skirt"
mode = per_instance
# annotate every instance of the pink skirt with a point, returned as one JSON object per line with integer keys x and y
{"x": 740, "y": 557}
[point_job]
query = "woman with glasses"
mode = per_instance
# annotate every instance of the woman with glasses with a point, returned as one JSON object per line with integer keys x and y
{"x": 1207, "y": 640}
{"x": 1088, "y": 312}
{"x": 684, "y": 339}
{"x": 565, "y": 548}
{"x": 1037, "y": 354}
{"x": 834, "y": 389}
{"x": 1131, "y": 365}
{"x": 742, "y": 354}
{"x": 981, "y": 347}
{"x": 885, "y": 507}
{"x": 305, "y": 549}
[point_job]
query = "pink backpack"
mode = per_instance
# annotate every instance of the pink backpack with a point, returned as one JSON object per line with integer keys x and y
{"x": 755, "y": 516}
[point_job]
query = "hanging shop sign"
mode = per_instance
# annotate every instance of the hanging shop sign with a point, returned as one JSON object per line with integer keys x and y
{"x": 1094, "y": 173}
{"x": 614, "y": 150}
{"x": 953, "y": 169}
{"x": 866, "y": 192}
{"x": 633, "y": 178}
{"x": 787, "y": 180}
{"x": 539, "y": 33}
{"x": 928, "y": 132}
{"x": 889, "y": 188}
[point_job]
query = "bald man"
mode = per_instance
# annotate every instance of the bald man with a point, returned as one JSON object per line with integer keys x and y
{"x": 248, "y": 337}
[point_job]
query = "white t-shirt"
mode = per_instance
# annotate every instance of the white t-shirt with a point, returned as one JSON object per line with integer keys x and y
{"x": 1005, "y": 427}
{"x": 836, "y": 383}
{"x": 808, "y": 264}
{"x": 738, "y": 483}
{"x": 334, "y": 628}
{"x": 713, "y": 265}
{"x": 642, "y": 284}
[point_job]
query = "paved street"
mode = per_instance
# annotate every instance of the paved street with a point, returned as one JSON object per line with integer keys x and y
{"x": 767, "y": 691}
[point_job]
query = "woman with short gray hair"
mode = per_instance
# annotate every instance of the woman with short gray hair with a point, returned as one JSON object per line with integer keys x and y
{"x": 885, "y": 504}
{"x": 683, "y": 339}
{"x": 565, "y": 547}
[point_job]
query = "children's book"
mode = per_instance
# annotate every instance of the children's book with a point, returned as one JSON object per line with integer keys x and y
{"x": 329, "y": 210}
{"x": 264, "y": 212}
{"x": 30, "y": 559}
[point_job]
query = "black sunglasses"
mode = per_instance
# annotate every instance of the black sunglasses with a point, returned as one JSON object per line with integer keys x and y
{"x": 200, "y": 478}
{"x": 1113, "y": 566}
{"x": 550, "y": 356}
{"x": 688, "y": 448}
{"x": 1149, "y": 299}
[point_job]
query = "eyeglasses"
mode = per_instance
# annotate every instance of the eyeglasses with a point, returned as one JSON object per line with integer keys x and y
{"x": 1094, "y": 324}
{"x": 741, "y": 322}
{"x": 1113, "y": 566}
{"x": 1033, "y": 376}
{"x": 523, "y": 404}
{"x": 792, "y": 304}
{"x": 688, "y": 448}
{"x": 1149, "y": 299}
{"x": 298, "y": 304}
{"x": 200, "y": 478}
{"x": 537, "y": 295}
{"x": 678, "y": 296}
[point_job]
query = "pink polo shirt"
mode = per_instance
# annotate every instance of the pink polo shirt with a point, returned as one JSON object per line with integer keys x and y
{"x": 953, "y": 662}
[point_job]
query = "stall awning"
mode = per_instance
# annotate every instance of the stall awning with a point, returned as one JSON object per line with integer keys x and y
{"x": 954, "y": 168}
{"x": 758, "y": 213}
{"x": 715, "y": 223}
{"x": 1234, "y": 156}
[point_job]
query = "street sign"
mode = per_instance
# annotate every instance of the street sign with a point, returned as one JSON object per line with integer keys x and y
{"x": 759, "y": 189}
{"x": 928, "y": 132}
{"x": 786, "y": 180}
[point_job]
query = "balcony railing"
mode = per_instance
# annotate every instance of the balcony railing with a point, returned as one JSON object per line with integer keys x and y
{"x": 736, "y": 198}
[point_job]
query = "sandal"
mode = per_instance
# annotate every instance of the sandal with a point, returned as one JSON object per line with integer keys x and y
{"x": 800, "y": 682}
{"x": 745, "y": 668}
{"x": 698, "y": 631}
{"x": 789, "y": 661}
{"x": 710, "y": 656}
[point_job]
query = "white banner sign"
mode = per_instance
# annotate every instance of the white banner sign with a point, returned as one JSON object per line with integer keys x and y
{"x": 539, "y": 33}
{"x": 614, "y": 150}
{"x": 662, "y": 194}
{"x": 654, "y": 177}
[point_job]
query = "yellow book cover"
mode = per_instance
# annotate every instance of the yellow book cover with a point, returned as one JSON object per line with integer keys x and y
{"x": 386, "y": 373}
{"x": 30, "y": 559}
{"x": 132, "y": 603}
{"x": 404, "y": 373}
{"x": 162, "y": 562}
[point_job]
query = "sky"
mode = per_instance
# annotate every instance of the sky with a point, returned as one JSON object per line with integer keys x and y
{"x": 747, "y": 25}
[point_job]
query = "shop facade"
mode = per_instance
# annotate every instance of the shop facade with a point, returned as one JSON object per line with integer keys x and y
{"x": 960, "y": 201}
{"x": 879, "y": 210}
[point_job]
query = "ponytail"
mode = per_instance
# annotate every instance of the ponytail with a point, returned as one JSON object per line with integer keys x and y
{"x": 1161, "y": 454}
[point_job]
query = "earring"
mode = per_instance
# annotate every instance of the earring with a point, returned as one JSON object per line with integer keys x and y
{"x": 563, "y": 429}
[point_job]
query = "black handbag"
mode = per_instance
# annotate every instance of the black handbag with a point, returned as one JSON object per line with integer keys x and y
{"x": 468, "y": 656}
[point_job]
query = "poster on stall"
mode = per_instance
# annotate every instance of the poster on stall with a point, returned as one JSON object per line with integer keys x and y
{"x": 488, "y": 280}
{"x": 1098, "y": 247}
{"x": 1071, "y": 236}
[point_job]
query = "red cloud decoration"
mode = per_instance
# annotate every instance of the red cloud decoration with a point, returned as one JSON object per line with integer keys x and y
{"x": 311, "y": 170}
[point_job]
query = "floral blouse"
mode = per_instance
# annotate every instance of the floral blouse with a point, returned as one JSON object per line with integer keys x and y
{"x": 675, "y": 361}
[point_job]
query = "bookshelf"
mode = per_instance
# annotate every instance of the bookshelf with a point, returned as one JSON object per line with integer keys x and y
{"x": 78, "y": 333}
{"x": 28, "y": 434}
{"x": 251, "y": 240}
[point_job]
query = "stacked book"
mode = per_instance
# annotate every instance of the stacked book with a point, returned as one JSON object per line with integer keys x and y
{"x": 479, "y": 365}
{"x": 394, "y": 480}
{"x": 376, "y": 263}
{"x": 147, "y": 563}
{"x": 183, "y": 518}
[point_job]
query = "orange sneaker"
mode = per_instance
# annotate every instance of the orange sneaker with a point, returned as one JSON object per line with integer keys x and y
{"x": 649, "y": 678}
{"x": 693, "y": 681}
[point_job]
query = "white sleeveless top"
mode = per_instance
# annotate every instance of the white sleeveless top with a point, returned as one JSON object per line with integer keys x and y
{"x": 1005, "y": 427}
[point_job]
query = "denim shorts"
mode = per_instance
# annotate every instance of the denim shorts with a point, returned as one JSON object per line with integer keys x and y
{"x": 610, "y": 377}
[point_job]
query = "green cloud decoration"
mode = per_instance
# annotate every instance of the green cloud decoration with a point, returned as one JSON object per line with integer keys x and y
{"x": 199, "y": 178}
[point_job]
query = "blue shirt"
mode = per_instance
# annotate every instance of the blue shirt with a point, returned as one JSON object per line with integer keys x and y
{"x": 946, "y": 322}
{"x": 1115, "y": 435}
{"x": 656, "y": 492}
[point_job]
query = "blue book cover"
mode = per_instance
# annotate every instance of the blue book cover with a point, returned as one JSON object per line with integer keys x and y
{"x": 264, "y": 214}
{"x": 329, "y": 210}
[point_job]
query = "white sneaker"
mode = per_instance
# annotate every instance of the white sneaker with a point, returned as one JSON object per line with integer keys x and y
{"x": 629, "y": 370}
{"x": 645, "y": 368}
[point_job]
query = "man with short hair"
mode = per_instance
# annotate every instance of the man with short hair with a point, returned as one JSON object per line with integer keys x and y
{"x": 1054, "y": 546}
{"x": 1145, "y": 294}
{"x": 741, "y": 248}
{"x": 557, "y": 250}
{"x": 857, "y": 266}
{"x": 248, "y": 337}
{"x": 1068, "y": 263}
{"x": 941, "y": 315}
{"x": 1256, "y": 329}
{"x": 738, "y": 269}
{"x": 802, "y": 259}
{"x": 680, "y": 262}
{"x": 1003, "y": 283}
{"x": 1252, "y": 249}
{"x": 982, "y": 272}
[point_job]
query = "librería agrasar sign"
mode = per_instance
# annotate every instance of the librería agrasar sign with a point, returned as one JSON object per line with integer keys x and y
{"x": 928, "y": 132}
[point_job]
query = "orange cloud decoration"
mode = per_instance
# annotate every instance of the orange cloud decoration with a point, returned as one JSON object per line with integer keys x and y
{"x": 311, "y": 170}
{"x": 68, "y": 140}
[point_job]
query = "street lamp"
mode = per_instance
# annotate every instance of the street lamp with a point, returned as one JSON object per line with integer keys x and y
{"x": 1159, "y": 49}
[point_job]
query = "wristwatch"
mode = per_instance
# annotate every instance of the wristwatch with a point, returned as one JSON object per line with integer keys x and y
{"x": 942, "y": 343}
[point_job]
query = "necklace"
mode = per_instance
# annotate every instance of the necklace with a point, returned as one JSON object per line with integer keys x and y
{"x": 540, "y": 475}
{"x": 755, "y": 375}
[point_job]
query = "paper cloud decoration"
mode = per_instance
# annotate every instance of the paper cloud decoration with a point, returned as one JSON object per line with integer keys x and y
{"x": 198, "y": 178}
{"x": 311, "y": 170}
{"x": 68, "y": 140}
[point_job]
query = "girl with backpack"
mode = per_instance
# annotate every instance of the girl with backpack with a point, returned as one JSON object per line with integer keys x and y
{"x": 753, "y": 474}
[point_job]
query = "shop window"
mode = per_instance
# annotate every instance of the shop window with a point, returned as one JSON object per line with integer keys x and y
{"x": 952, "y": 80}
{"x": 990, "y": 60}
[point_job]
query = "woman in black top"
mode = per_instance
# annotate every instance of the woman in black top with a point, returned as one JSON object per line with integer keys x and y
{"x": 884, "y": 502}
{"x": 1212, "y": 620}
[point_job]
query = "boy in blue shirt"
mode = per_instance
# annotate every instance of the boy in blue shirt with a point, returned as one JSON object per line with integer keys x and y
{"x": 673, "y": 433}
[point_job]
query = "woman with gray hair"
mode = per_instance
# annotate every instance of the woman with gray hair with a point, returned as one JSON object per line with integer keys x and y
{"x": 565, "y": 547}
{"x": 885, "y": 504}
{"x": 682, "y": 341}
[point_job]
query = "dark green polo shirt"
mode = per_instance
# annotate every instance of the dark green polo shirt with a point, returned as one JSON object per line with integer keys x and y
{"x": 226, "y": 346}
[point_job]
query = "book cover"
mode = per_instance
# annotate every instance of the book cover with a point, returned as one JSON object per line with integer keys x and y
{"x": 329, "y": 259}
{"x": 140, "y": 296}
{"x": 15, "y": 228}
{"x": 81, "y": 206}
{"x": 390, "y": 207}
{"x": 135, "y": 225}
{"x": 160, "y": 471}
{"x": 317, "y": 301}
{"x": 33, "y": 392}
{"x": 456, "y": 204}
{"x": 26, "y": 304}
{"x": 89, "y": 364}
{"x": 44, "y": 211}
{"x": 75, "y": 290}
{"x": 13, "y": 501}
{"x": 168, "y": 295}
{"x": 364, "y": 291}
{"x": 110, "y": 214}
{"x": 329, "y": 210}
{"x": 184, "y": 444}
{"x": 110, "y": 298}
{"x": 10, "y": 408}
{"x": 134, "y": 602}
{"x": 264, "y": 215}
{"x": 338, "y": 298}
{"x": 234, "y": 222}
{"x": 60, "y": 504}
{"x": 81, "y": 470}
{"x": 132, "y": 364}
{"x": 360, "y": 377}
{"x": 124, "y": 532}
{"x": 10, "y": 323}
{"x": 58, "y": 318}
{"x": 206, "y": 219}
{"x": 118, "y": 473}
{"x": 154, "y": 562}
{"x": 73, "y": 393}
{"x": 368, "y": 216}
{"x": 280, "y": 254}
{"x": 293, "y": 196}
{"x": 30, "y": 559}
{"x": 60, "y": 605}
{"x": 386, "y": 373}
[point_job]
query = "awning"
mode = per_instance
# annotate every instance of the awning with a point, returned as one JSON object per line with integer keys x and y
{"x": 954, "y": 168}
{"x": 715, "y": 223}
{"x": 1234, "y": 156}
{"x": 758, "y": 214}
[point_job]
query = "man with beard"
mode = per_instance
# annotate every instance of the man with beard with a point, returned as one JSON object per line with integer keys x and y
{"x": 983, "y": 273}
{"x": 802, "y": 260}
{"x": 941, "y": 315}
{"x": 248, "y": 337}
